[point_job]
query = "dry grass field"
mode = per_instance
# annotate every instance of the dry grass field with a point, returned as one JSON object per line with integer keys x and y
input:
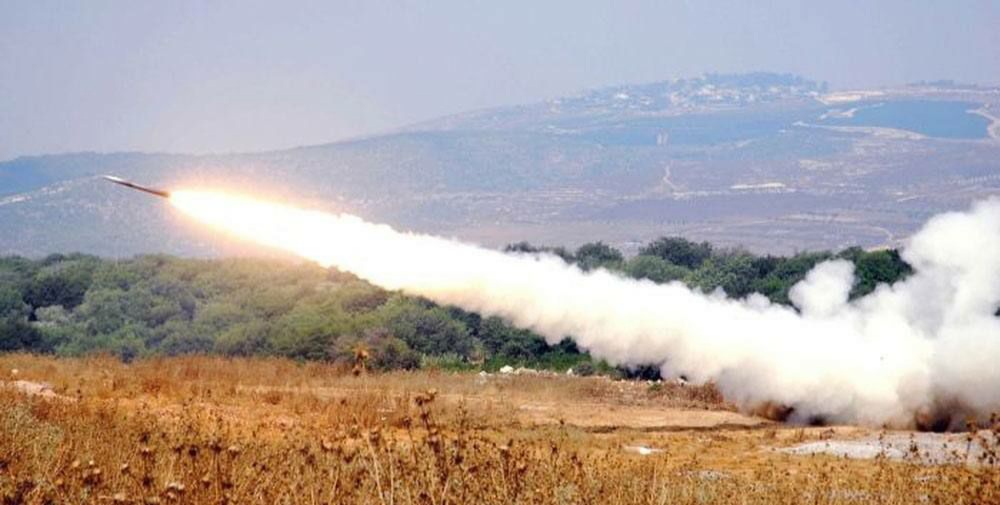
{"x": 213, "y": 430}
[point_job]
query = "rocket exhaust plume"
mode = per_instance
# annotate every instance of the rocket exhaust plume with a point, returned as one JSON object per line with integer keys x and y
{"x": 925, "y": 346}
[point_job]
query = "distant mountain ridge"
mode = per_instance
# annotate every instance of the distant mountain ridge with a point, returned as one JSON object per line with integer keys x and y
{"x": 774, "y": 162}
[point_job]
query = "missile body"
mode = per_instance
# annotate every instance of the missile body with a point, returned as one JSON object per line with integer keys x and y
{"x": 128, "y": 184}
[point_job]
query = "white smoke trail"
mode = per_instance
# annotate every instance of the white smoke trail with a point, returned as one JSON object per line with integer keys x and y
{"x": 906, "y": 349}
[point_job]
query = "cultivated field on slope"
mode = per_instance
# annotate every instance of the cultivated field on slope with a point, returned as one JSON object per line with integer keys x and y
{"x": 214, "y": 430}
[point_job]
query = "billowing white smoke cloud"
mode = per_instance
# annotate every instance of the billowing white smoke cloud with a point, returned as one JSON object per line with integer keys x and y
{"x": 910, "y": 348}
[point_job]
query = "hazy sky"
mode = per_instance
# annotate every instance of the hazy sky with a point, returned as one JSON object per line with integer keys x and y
{"x": 217, "y": 76}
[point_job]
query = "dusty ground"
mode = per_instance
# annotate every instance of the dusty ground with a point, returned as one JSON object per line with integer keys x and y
{"x": 685, "y": 441}
{"x": 593, "y": 404}
{"x": 640, "y": 417}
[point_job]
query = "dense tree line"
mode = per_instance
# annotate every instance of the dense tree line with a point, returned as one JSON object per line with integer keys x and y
{"x": 158, "y": 305}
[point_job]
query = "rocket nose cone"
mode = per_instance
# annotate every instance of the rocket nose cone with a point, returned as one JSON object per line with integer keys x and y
{"x": 132, "y": 185}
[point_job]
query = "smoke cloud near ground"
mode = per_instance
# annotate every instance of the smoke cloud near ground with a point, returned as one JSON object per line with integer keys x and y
{"x": 923, "y": 348}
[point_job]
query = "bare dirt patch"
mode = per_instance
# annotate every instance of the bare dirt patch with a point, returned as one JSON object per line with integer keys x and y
{"x": 926, "y": 448}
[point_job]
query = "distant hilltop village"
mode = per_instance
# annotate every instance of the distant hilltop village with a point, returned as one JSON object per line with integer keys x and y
{"x": 734, "y": 90}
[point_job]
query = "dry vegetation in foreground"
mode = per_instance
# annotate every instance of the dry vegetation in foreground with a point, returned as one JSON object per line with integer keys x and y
{"x": 211, "y": 430}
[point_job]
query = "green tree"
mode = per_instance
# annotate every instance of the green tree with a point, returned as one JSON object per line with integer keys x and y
{"x": 12, "y": 303}
{"x": 734, "y": 273}
{"x": 62, "y": 281}
{"x": 598, "y": 255}
{"x": 103, "y": 311}
{"x": 18, "y": 334}
{"x": 251, "y": 338}
{"x": 679, "y": 251}
{"x": 427, "y": 329}
{"x": 501, "y": 339}
{"x": 358, "y": 297}
{"x": 388, "y": 352}
{"x": 127, "y": 342}
{"x": 872, "y": 268}
{"x": 308, "y": 332}
{"x": 56, "y": 327}
{"x": 655, "y": 269}
{"x": 175, "y": 341}
{"x": 777, "y": 275}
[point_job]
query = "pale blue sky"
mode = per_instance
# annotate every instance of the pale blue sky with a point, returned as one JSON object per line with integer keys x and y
{"x": 218, "y": 76}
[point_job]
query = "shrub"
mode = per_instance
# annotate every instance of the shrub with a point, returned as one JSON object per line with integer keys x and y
{"x": 585, "y": 369}
{"x": 655, "y": 269}
{"x": 678, "y": 251}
